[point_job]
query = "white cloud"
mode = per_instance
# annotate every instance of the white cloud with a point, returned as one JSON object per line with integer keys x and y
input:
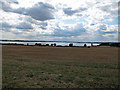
{"x": 40, "y": 11}
{"x": 59, "y": 19}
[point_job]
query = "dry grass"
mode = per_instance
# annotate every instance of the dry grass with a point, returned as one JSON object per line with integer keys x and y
{"x": 94, "y": 54}
{"x": 60, "y": 67}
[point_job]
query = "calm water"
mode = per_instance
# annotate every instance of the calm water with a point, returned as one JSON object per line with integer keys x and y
{"x": 57, "y": 43}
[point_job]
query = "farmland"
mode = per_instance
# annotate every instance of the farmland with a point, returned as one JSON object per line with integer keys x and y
{"x": 59, "y": 67}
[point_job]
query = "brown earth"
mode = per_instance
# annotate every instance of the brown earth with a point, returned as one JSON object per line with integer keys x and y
{"x": 82, "y": 54}
{"x": 59, "y": 67}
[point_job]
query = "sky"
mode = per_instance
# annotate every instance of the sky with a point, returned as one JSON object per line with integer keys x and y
{"x": 59, "y": 20}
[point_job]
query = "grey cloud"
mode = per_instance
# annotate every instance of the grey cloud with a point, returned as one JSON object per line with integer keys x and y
{"x": 12, "y": 1}
{"x": 103, "y": 27}
{"x": 36, "y": 22}
{"x": 9, "y": 1}
{"x": 40, "y": 11}
{"x": 82, "y": 9}
{"x": 41, "y": 25}
{"x": 24, "y": 25}
{"x": 44, "y": 23}
{"x": 79, "y": 15}
{"x": 78, "y": 30}
{"x": 110, "y": 8}
{"x": 105, "y": 8}
{"x": 46, "y": 5}
{"x": 22, "y": 28}
{"x": 70, "y": 12}
{"x": 44, "y": 28}
{"x": 6, "y": 25}
{"x": 66, "y": 33}
{"x": 5, "y": 4}
{"x": 101, "y": 32}
{"x": 119, "y": 8}
{"x": 29, "y": 19}
{"x": 110, "y": 32}
{"x": 19, "y": 11}
{"x": 92, "y": 24}
{"x": 58, "y": 32}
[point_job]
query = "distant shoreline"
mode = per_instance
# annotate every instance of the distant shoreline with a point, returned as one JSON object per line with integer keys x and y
{"x": 59, "y": 41}
{"x": 54, "y": 46}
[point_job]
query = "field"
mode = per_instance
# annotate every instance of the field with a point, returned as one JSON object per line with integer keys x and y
{"x": 59, "y": 67}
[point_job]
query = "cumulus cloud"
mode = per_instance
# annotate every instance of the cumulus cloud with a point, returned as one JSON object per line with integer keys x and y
{"x": 24, "y": 25}
{"x": 111, "y": 8}
{"x": 11, "y": 1}
{"x": 71, "y": 12}
{"x": 76, "y": 31}
{"x": 66, "y": 33}
{"x": 5, "y": 25}
{"x": 40, "y": 11}
{"x": 5, "y": 4}
{"x": 110, "y": 34}
{"x": 106, "y": 32}
{"x": 103, "y": 27}
{"x": 60, "y": 19}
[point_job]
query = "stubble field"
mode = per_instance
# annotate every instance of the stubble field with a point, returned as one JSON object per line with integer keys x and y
{"x": 59, "y": 67}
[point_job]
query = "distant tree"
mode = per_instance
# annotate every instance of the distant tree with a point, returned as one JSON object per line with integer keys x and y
{"x": 27, "y": 44}
{"x": 85, "y": 45}
{"x": 35, "y": 43}
{"x": 54, "y": 44}
{"x": 70, "y": 45}
{"x": 91, "y": 44}
{"x": 88, "y": 46}
{"x": 51, "y": 44}
{"x": 47, "y": 44}
{"x": 39, "y": 44}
